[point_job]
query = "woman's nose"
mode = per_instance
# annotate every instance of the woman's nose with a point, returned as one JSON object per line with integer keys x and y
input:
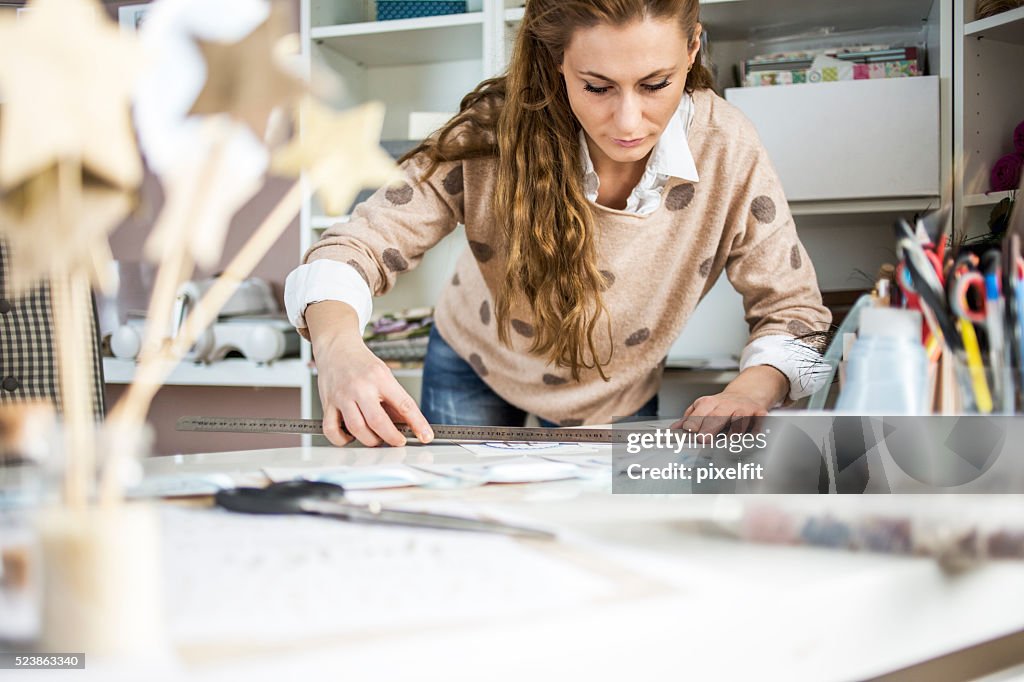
{"x": 628, "y": 115}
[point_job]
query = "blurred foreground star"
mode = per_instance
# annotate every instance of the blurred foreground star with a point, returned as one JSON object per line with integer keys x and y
{"x": 66, "y": 74}
{"x": 244, "y": 78}
{"x": 340, "y": 152}
{"x": 40, "y": 245}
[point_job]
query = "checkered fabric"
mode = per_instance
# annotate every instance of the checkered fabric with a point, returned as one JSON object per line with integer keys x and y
{"x": 27, "y": 364}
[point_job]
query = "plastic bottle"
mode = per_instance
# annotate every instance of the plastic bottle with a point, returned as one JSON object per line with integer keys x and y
{"x": 887, "y": 369}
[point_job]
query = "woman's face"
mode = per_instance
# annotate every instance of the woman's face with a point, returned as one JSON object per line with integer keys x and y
{"x": 625, "y": 83}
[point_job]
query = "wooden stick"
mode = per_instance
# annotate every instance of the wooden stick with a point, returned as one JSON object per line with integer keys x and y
{"x": 175, "y": 267}
{"x": 69, "y": 292}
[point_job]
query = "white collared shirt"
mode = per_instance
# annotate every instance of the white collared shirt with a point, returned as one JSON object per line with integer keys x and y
{"x": 326, "y": 280}
{"x": 670, "y": 158}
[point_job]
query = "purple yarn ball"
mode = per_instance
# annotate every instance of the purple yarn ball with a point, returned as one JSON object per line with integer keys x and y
{"x": 1006, "y": 173}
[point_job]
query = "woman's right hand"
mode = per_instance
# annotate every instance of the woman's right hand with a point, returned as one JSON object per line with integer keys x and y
{"x": 360, "y": 396}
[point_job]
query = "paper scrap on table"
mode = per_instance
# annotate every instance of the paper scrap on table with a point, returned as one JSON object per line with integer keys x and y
{"x": 191, "y": 485}
{"x": 586, "y": 460}
{"x": 355, "y": 478}
{"x": 506, "y": 448}
{"x": 513, "y": 470}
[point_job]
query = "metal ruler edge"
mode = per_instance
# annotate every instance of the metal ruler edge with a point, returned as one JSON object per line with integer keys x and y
{"x": 441, "y": 431}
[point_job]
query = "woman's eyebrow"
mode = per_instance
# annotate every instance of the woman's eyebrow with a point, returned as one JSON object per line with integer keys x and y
{"x": 652, "y": 74}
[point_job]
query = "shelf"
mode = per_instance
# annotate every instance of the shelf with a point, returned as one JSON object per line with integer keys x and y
{"x": 398, "y": 42}
{"x": 739, "y": 19}
{"x": 289, "y": 373}
{"x": 990, "y": 199}
{"x": 1006, "y": 27}
{"x": 908, "y": 205}
{"x": 736, "y": 19}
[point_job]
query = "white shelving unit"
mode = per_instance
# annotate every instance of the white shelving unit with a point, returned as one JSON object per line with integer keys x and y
{"x": 989, "y": 104}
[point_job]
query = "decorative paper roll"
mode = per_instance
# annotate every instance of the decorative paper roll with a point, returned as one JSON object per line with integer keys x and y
{"x": 1006, "y": 173}
{"x": 1018, "y": 138}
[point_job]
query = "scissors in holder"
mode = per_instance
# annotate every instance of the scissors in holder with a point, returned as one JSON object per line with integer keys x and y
{"x": 328, "y": 499}
{"x": 967, "y": 301}
{"x": 921, "y": 280}
{"x": 1013, "y": 295}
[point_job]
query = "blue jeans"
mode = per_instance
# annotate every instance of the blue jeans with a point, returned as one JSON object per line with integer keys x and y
{"x": 453, "y": 393}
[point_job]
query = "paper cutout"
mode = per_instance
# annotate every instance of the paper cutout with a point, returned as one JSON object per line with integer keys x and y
{"x": 505, "y": 449}
{"x": 512, "y": 470}
{"x": 378, "y": 477}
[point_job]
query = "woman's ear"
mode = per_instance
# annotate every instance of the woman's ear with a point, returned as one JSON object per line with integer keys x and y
{"x": 695, "y": 45}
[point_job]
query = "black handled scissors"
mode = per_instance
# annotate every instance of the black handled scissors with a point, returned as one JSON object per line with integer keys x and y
{"x": 328, "y": 499}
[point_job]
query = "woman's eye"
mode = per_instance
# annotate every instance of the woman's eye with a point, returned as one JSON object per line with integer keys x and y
{"x": 590, "y": 88}
{"x": 659, "y": 86}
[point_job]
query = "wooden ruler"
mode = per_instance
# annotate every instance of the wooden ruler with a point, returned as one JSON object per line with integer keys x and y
{"x": 441, "y": 431}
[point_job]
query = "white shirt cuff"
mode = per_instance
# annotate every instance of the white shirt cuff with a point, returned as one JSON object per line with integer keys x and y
{"x": 801, "y": 364}
{"x": 326, "y": 280}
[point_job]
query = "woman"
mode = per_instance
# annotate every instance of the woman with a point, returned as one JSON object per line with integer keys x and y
{"x": 604, "y": 188}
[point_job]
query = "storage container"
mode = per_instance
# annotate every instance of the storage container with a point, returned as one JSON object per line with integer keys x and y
{"x": 851, "y": 139}
{"x": 408, "y": 9}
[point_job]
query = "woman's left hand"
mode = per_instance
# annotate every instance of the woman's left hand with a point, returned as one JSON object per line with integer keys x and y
{"x": 723, "y": 412}
{"x": 740, "y": 406}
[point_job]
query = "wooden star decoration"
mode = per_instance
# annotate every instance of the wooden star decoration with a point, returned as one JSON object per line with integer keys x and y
{"x": 31, "y": 224}
{"x": 244, "y": 79}
{"x": 340, "y": 153}
{"x": 66, "y": 75}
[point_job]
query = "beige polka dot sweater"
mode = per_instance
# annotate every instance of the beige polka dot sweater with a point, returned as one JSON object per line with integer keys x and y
{"x": 658, "y": 267}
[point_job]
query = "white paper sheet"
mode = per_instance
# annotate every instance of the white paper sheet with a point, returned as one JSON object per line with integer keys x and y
{"x": 253, "y": 579}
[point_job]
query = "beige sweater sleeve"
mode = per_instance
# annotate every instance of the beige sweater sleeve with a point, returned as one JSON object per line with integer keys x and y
{"x": 768, "y": 265}
{"x": 389, "y": 232}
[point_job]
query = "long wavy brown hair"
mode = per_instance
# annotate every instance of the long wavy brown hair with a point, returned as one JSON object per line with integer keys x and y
{"x": 524, "y": 119}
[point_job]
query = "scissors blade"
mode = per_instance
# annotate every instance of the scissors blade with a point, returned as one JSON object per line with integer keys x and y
{"x": 372, "y": 514}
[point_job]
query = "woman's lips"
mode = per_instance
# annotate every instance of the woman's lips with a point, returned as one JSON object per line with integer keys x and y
{"x": 628, "y": 143}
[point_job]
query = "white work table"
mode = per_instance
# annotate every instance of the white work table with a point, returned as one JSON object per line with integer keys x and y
{"x": 639, "y": 593}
